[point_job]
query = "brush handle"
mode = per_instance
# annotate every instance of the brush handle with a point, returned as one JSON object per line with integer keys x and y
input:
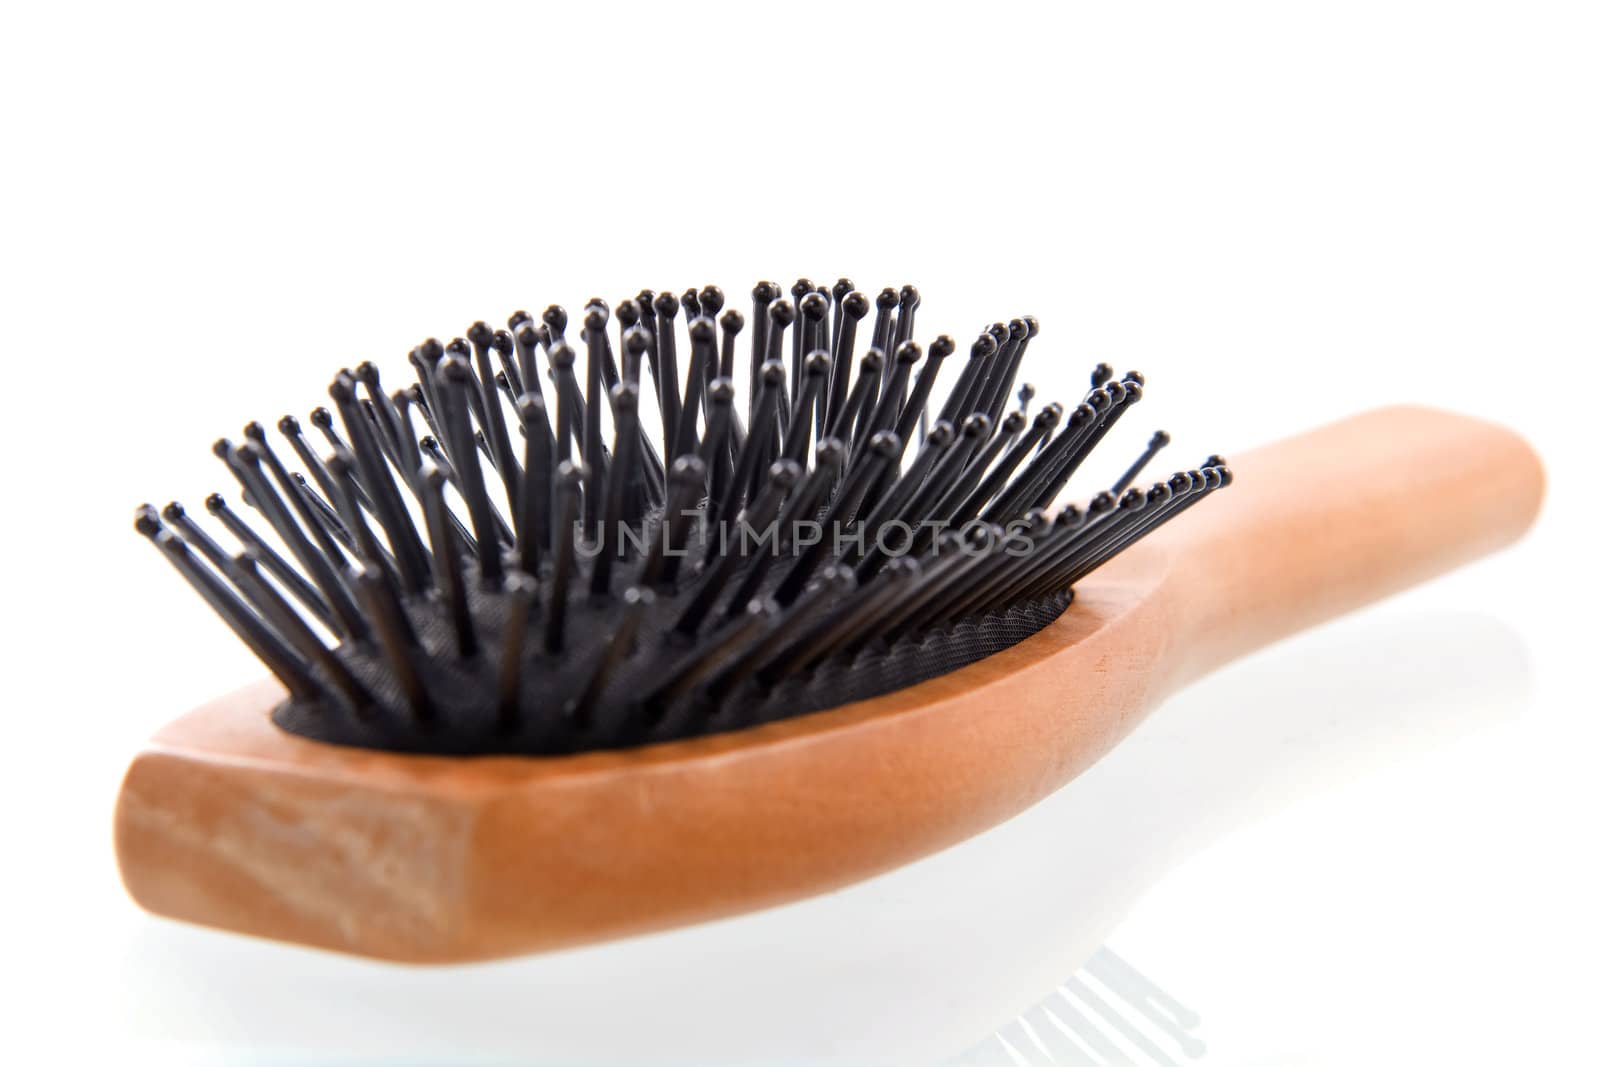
{"x": 1323, "y": 523}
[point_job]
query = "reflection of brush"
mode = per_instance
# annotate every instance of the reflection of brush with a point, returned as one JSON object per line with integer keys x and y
{"x": 1106, "y": 1013}
{"x": 423, "y": 856}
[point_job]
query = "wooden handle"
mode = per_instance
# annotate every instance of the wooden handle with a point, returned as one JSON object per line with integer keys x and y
{"x": 1320, "y": 524}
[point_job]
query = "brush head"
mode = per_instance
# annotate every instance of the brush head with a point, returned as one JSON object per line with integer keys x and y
{"x": 534, "y": 549}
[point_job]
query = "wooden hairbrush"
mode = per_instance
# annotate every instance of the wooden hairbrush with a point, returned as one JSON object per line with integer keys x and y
{"x": 538, "y": 683}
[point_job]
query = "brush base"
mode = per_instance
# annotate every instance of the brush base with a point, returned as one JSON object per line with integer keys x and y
{"x": 228, "y": 821}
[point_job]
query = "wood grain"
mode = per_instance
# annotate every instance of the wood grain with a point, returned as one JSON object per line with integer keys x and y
{"x": 228, "y": 821}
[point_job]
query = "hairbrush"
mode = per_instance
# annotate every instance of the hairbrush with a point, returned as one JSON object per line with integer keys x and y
{"x": 542, "y": 677}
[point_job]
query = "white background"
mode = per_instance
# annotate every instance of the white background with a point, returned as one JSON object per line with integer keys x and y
{"x": 1372, "y": 845}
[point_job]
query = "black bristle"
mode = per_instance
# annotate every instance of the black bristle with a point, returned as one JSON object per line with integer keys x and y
{"x": 395, "y": 639}
{"x": 259, "y": 452}
{"x": 1012, "y": 343}
{"x": 685, "y": 487}
{"x": 194, "y": 536}
{"x": 712, "y": 299}
{"x": 525, "y": 339}
{"x": 280, "y": 568}
{"x": 858, "y": 524}
{"x": 361, "y": 540}
{"x": 798, "y": 292}
{"x": 886, "y": 414}
{"x": 732, "y": 322}
{"x": 862, "y": 474}
{"x": 798, "y": 508}
{"x": 625, "y": 405}
{"x": 289, "y": 428}
{"x": 920, "y": 510}
{"x": 849, "y": 628}
{"x": 983, "y": 460}
{"x": 455, "y": 389}
{"x": 797, "y": 436}
{"x": 245, "y": 463}
{"x": 703, "y": 661}
{"x": 276, "y": 612}
{"x": 569, "y": 410}
{"x": 494, "y": 422}
{"x": 721, "y": 563}
{"x": 521, "y": 594}
{"x": 702, "y": 355}
{"x": 883, "y": 324}
{"x": 1159, "y": 440}
{"x": 895, "y": 505}
{"x": 635, "y": 602}
{"x": 916, "y": 404}
{"x": 865, "y": 387}
{"x": 761, "y": 298}
{"x": 666, "y": 346}
{"x": 850, "y": 307}
{"x": 533, "y": 512}
{"x": 769, "y": 385}
{"x": 401, "y": 450}
{"x": 447, "y": 563}
{"x": 268, "y": 646}
{"x": 761, "y": 659}
{"x": 781, "y": 315}
{"x": 910, "y": 300}
{"x": 568, "y": 485}
{"x": 504, "y": 348}
{"x": 814, "y": 335}
{"x": 645, "y": 301}
{"x": 714, "y": 447}
{"x": 403, "y": 539}
{"x": 841, "y": 289}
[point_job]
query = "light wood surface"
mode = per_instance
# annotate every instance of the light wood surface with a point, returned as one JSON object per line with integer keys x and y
{"x": 228, "y": 821}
